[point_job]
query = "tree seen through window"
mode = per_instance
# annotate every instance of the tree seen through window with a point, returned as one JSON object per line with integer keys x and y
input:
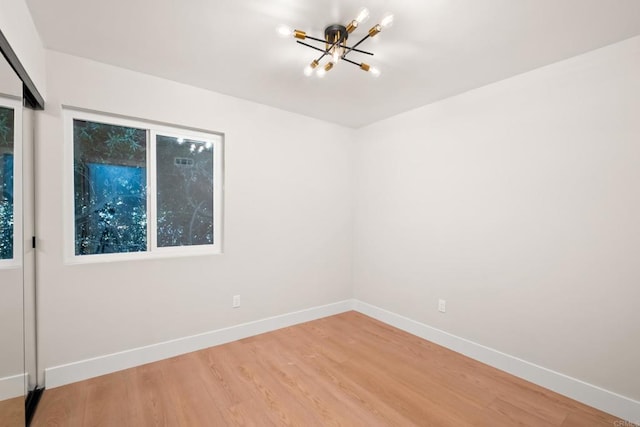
{"x": 109, "y": 188}
{"x": 6, "y": 182}
{"x": 184, "y": 191}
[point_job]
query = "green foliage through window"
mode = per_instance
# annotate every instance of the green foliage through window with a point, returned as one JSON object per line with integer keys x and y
{"x": 7, "y": 130}
{"x": 185, "y": 192}
{"x": 110, "y": 188}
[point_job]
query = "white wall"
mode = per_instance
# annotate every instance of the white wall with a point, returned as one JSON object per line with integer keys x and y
{"x": 11, "y": 341}
{"x": 518, "y": 203}
{"x": 10, "y": 84}
{"x": 288, "y": 224}
{"x": 18, "y": 28}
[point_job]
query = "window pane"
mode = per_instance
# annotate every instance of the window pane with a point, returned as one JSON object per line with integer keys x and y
{"x": 109, "y": 188}
{"x": 184, "y": 191}
{"x": 6, "y": 182}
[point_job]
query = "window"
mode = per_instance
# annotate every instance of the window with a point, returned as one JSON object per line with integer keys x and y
{"x": 141, "y": 188}
{"x": 109, "y": 174}
{"x": 183, "y": 190}
{"x": 10, "y": 166}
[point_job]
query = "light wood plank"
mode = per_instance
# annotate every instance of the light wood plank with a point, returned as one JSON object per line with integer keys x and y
{"x": 12, "y": 412}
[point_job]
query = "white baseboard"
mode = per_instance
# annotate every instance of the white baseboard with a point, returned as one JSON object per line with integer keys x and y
{"x": 607, "y": 401}
{"x": 84, "y": 369}
{"x": 13, "y": 386}
{"x": 615, "y": 404}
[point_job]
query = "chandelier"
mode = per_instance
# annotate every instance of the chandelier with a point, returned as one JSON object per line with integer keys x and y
{"x": 334, "y": 45}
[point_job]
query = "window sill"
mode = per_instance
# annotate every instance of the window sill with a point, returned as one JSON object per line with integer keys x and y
{"x": 141, "y": 256}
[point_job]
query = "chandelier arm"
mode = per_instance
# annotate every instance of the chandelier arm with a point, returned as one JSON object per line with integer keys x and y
{"x": 342, "y": 46}
{"x": 355, "y": 45}
{"x": 312, "y": 47}
{"x": 326, "y": 52}
{"x": 351, "y": 62}
{"x": 316, "y": 39}
{"x": 356, "y": 50}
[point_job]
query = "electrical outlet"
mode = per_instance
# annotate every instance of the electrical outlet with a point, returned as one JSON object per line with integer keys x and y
{"x": 236, "y": 301}
{"x": 442, "y": 305}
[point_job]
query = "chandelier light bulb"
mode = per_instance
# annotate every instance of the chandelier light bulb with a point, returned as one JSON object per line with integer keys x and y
{"x": 308, "y": 70}
{"x": 335, "y": 56}
{"x": 323, "y": 71}
{"x": 375, "y": 72}
{"x": 387, "y": 21}
{"x": 284, "y": 31}
{"x": 363, "y": 15}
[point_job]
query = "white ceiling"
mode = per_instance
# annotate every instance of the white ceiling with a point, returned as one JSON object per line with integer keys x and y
{"x": 435, "y": 49}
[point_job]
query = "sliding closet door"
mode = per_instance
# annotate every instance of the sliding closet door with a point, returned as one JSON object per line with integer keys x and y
{"x": 12, "y": 375}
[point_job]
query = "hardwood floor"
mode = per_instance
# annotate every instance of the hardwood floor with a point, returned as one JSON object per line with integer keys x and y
{"x": 347, "y": 370}
{"x": 12, "y": 412}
